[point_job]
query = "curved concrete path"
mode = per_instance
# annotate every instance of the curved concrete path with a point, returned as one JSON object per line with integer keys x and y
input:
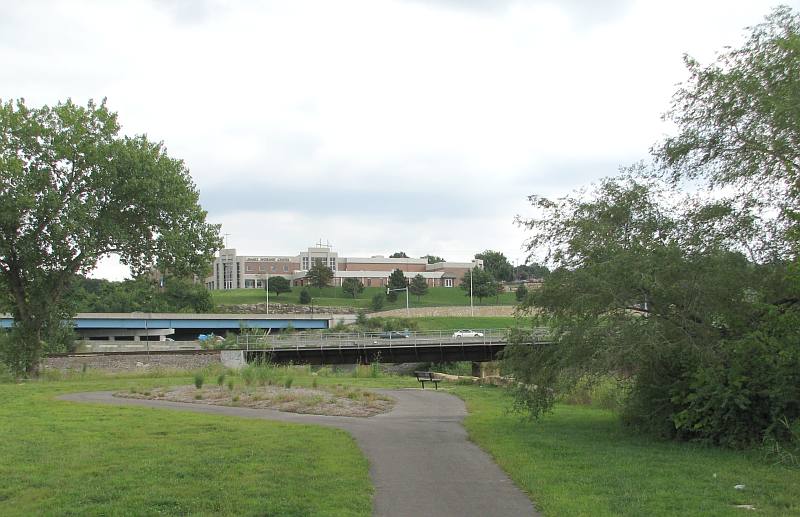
{"x": 421, "y": 462}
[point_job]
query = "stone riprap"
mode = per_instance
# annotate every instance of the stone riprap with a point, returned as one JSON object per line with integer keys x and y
{"x": 132, "y": 362}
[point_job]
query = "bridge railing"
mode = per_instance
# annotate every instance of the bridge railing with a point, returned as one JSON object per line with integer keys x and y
{"x": 323, "y": 339}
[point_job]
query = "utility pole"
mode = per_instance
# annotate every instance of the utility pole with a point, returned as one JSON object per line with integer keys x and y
{"x": 471, "y": 306}
{"x": 408, "y": 310}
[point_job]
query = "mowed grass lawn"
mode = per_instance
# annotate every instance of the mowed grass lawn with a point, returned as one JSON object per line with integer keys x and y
{"x": 62, "y": 458}
{"x": 335, "y": 297}
{"x": 580, "y": 461}
{"x": 465, "y": 322}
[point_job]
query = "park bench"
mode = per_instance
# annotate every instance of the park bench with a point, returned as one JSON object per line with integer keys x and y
{"x": 424, "y": 377}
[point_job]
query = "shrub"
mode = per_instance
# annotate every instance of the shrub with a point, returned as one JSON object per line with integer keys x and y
{"x": 288, "y": 382}
{"x": 221, "y": 379}
{"x": 600, "y": 392}
{"x": 248, "y": 375}
{"x": 785, "y": 452}
{"x": 305, "y": 296}
{"x": 377, "y": 302}
{"x": 199, "y": 379}
{"x": 230, "y": 384}
{"x": 375, "y": 367}
{"x": 264, "y": 375}
{"x": 741, "y": 394}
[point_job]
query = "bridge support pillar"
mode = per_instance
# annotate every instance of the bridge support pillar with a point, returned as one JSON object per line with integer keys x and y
{"x": 233, "y": 359}
{"x": 477, "y": 370}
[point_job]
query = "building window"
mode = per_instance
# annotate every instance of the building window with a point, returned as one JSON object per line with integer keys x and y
{"x": 369, "y": 282}
{"x": 249, "y": 284}
{"x": 448, "y": 282}
{"x": 272, "y": 268}
{"x": 285, "y": 269}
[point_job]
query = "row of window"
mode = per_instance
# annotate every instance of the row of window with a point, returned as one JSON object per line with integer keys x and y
{"x": 263, "y": 269}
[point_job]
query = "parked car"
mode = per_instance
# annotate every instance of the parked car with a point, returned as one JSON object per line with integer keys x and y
{"x": 467, "y": 333}
{"x": 395, "y": 334}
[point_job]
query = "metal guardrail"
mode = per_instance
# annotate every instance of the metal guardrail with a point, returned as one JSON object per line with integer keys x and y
{"x": 334, "y": 340}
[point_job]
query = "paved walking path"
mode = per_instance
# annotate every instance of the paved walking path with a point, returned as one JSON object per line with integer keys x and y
{"x": 421, "y": 462}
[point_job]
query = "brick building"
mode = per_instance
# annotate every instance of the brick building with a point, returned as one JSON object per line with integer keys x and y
{"x": 232, "y": 271}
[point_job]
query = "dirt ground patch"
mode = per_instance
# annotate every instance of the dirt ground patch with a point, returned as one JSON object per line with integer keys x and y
{"x": 335, "y": 401}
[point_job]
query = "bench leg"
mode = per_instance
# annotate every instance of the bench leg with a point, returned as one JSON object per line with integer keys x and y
{"x": 423, "y": 384}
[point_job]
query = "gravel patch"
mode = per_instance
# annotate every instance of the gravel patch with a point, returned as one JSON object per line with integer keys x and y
{"x": 336, "y": 401}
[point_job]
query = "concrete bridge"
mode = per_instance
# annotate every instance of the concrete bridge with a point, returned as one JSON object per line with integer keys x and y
{"x": 385, "y": 347}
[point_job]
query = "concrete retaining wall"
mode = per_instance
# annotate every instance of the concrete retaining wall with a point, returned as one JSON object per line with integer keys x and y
{"x": 133, "y": 362}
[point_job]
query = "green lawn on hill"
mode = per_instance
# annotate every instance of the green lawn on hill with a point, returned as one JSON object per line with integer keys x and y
{"x": 335, "y": 297}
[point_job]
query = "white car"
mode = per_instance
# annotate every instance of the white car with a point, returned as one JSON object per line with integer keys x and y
{"x": 467, "y": 333}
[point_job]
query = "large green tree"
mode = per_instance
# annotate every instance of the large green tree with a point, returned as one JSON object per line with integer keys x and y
{"x": 738, "y": 120}
{"x": 418, "y": 286}
{"x": 397, "y": 280}
{"x": 278, "y": 285}
{"x": 497, "y": 265}
{"x": 483, "y": 284}
{"x": 690, "y": 297}
{"x": 319, "y": 275}
{"x": 433, "y": 259}
{"x": 398, "y": 254}
{"x": 352, "y": 287}
{"x": 73, "y": 191}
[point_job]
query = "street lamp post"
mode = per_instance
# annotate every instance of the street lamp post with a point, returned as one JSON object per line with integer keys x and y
{"x": 267, "y": 290}
{"x": 389, "y": 290}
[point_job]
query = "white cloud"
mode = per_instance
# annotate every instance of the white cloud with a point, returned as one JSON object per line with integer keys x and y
{"x": 471, "y": 104}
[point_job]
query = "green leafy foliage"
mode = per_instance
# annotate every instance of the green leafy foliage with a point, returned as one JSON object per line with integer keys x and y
{"x": 497, "y": 265}
{"x": 533, "y": 270}
{"x": 738, "y": 117}
{"x": 352, "y": 287}
{"x": 397, "y": 280}
{"x": 279, "y": 284}
{"x": 139, "y": 295}
{"x": 377, "y": 301}
{"x": 71, "y": 192}
{"x": 482, "y": 285}
{"x": 319, "y": 275}
{"x": 433, "y": 259}
{"x": 692, "y": 298}
{"x": 418, "y": 286}
{"x": 398, "y": 254}
{"x": 521, "y": 292}
{"x": 658, "y": 293}
{"x": 305, "y": 297}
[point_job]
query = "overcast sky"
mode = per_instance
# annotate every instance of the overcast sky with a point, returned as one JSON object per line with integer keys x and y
{"x": 375, "y": 125}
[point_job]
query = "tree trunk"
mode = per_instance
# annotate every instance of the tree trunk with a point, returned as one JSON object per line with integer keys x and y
{"x": 23, "y": 351}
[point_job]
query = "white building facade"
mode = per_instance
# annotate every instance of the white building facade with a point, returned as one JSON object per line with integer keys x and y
{"x": 232, "y": 271}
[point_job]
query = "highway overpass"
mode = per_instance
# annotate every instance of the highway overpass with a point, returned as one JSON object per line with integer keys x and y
{"x": 136, "y": 326}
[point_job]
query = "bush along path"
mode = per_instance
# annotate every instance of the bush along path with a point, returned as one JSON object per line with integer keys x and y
{"x": 421, "y": 460}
